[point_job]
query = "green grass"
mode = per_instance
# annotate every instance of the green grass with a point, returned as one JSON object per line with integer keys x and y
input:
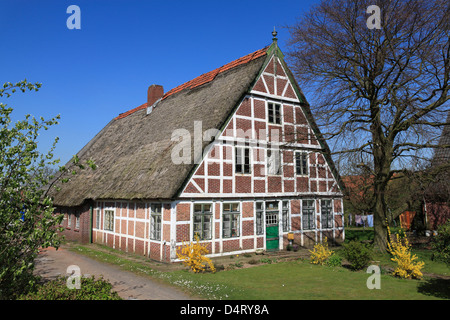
{"x": 288, "y": 280}
{"x": 302, "y": 280}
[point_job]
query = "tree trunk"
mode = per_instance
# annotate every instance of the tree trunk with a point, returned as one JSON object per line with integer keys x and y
{"x": 382, "y": 157}
{"x": 379, "y": 219}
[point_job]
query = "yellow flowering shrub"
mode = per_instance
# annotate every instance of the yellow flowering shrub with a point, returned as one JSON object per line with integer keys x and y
{"x": 320, "y": 253}
{"x": 193, "y": 256}
{"x": 400, "y": 249}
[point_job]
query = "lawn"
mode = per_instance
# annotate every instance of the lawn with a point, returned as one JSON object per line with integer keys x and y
{"x": 301, "y": 280}
{"x": 288, "y": 280}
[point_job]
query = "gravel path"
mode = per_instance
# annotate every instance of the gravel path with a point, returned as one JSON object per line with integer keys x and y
{"x": 52, "y": 263}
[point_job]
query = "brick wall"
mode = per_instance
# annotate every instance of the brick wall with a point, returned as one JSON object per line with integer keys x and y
{"x": 72, "y": 232}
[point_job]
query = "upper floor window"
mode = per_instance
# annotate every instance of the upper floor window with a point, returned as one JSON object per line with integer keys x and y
{"x": 242, "y": 157}
{"x": 274, "y": 113}
{"x": 301, "y": 163}
{"x": 274, "y": 161}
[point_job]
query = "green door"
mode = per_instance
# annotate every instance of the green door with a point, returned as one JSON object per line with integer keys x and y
{"x": 272, "y": 236}
{"x": 272, "y": 241}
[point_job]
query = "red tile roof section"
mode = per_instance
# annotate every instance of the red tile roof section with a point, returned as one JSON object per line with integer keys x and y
{"x": 204, "y": 78}
{"x": 123, "y": 115}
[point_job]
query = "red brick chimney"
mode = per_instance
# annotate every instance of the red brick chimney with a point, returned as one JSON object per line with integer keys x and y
{"x": 154, "y": 93}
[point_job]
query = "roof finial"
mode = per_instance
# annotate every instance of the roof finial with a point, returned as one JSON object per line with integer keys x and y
{"x": 274, "y": 34}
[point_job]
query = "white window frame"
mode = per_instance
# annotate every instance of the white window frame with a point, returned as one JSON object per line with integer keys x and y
{"x": 274, "y": 161}
{"x": 312, "y": 223}
{"x": 69, "y": 220}
{"x": 301, "y": 163}
{"x": 273, "y": 113}
{"x": 155, "y": 221}
{"x": 98, "y": 213}
{"x": 77, "y": 221}
{"x": 203, "y": 214}
{"x": 285, "y": 216}
{"x": 106, "y": 221}
{"x": 234, "y": 220}
{"x": 328, "y": 218}
{"x": 239, "y": 153}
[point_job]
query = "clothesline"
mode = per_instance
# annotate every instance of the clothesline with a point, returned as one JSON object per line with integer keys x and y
{"x": 362, "y": 220}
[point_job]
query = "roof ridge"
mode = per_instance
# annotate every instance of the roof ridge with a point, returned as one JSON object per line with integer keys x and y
{"x": 204, "y": 78}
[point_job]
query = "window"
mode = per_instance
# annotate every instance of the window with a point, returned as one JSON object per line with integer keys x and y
{"x": 274, "y": 113}
{"x": 272, "y": 213}
{"x": 301, "y": 163}
{"x": 285, "y": 216}
{"x": 231, "y": 219}
{"x": 77, "y": 221}
{"x": 69, "y": 220}
{"x": 273, "y": 161}
{"x": 97, "y": 216}
{"x": 202, "y": 220}
{"x": 308, "y": 214}
{"x": 155, "y": 222}
{"x": 109, "y": 220}
{"x": 326, "y": 214}
{"x": 259, "y": 218}
{"x": 242, "y": 156}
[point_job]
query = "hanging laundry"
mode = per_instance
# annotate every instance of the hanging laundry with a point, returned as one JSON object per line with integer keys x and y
{"x": 358, "y": 220}
{"x": 364, "y": 220}
{"x": 370, "y": 220}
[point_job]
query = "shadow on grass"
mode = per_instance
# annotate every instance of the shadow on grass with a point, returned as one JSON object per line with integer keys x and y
{"x": 436, "y": 287}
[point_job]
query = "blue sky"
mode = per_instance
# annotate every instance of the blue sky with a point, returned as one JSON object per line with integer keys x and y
{"x": 91, "y": 75}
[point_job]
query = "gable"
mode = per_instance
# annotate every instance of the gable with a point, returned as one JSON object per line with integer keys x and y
{"x": 249, "y": 124}
{"x": 273, "y": 81}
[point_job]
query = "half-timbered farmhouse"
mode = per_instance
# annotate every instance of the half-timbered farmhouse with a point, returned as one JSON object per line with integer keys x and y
{"x": 233, "y": 156}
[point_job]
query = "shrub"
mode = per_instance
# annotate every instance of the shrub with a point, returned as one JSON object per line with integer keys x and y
{"x": 334, "y": 261}
{"x": 357, "y": 254}
{"x": 90, "y": 289}
{"x": 193, "y": 256}
{"x": 441, "y": 244}
{"x": 400, "y": 250}
{"x": 320, "y": 253}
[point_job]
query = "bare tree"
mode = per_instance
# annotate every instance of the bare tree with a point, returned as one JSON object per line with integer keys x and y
{"x": 386, "y": 88}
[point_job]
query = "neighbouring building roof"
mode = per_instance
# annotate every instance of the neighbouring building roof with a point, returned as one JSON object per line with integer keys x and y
{"x": 442, "y": 155}
{"x": 133, "y": 151}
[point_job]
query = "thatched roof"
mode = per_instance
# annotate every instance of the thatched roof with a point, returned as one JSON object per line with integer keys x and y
{"x": 133, "y": 152}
